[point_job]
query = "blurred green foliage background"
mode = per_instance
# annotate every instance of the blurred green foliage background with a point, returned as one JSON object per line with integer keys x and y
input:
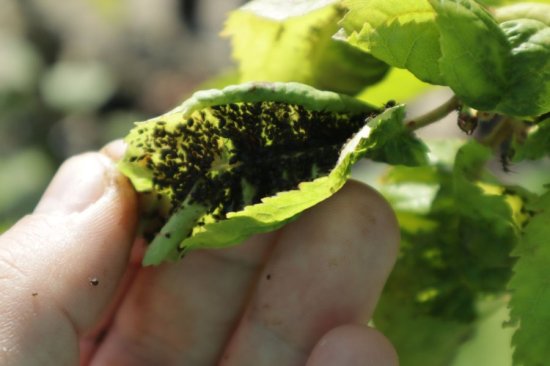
{"x": 75, "y": 74}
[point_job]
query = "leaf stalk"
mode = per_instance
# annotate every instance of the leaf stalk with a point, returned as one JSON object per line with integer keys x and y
{"x": 434, "y": 115}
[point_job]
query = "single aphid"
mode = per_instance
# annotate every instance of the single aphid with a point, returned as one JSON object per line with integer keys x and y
{"x": 94, "y": 281}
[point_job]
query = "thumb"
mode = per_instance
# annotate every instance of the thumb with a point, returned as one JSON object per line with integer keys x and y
{"x": 60, "y": 266}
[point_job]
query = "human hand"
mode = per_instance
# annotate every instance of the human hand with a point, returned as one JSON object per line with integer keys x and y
{"x": 72, "y": 290}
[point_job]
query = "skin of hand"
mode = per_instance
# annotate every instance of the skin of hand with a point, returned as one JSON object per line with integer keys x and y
{"x": 72, "y": 290}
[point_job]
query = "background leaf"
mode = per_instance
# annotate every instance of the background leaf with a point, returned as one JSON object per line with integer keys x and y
{"x": 474, "y": 52}
{"x": 287, "y": 40}
{"x": 530, "y": 10}
{"x": 537, "y": 143}
{"x": 530, "y": 289}
{"x": 527, "y": 92}
{"x": 489, "y": 66}
{"x": 401, "y": 33}
{"x": 399, "y": 85}
{"x": 458, "y": 229}
{"x": 419, "y": 339}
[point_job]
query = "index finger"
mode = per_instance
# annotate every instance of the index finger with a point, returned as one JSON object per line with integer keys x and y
{"x": 327, "y": 269}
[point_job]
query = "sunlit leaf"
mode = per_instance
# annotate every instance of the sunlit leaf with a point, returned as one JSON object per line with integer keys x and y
{"x": 540, "y": 12}
{"x": 401, "y": 33}
{"x": 474, "y": 52}
{"x": 490, "y": 66}
{"x": 289, "y": 40}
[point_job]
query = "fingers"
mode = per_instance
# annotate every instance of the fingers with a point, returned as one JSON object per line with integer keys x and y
{"x": 60, "y": 266}
{"x": 327, "y": 269}
{"x": 353, "y": 345}
{"x": 183, "y": 313}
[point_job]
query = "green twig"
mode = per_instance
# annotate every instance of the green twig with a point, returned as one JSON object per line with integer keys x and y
{"x": 433, "y": 116}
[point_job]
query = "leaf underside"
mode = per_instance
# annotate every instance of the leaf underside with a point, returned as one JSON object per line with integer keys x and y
{"x": 204, "y": 166}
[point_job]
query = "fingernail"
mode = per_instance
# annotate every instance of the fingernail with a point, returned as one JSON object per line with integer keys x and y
{"x": 78, "y": 183}
{"x": 115, "y": 149}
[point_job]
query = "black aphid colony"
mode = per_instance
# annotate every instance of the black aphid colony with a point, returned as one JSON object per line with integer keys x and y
{"x": 228, "y": 156}
{"x": 246, "y": 159}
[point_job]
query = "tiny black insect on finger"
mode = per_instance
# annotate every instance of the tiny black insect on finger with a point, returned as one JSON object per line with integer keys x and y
{"x": 94, "y": 281}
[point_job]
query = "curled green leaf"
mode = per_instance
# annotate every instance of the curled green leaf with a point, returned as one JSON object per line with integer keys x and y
{"x": 246, "y": 159}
